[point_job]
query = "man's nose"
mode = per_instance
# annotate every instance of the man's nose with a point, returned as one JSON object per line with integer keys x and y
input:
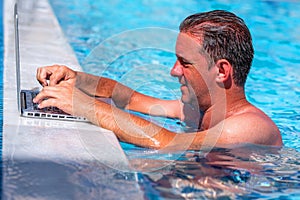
{"x": 177, "y": 69}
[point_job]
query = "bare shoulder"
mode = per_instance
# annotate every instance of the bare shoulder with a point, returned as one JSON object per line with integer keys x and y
{"x": 251, "y": 126}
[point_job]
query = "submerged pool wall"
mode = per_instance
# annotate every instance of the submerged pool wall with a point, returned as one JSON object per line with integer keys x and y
{"x": 49, "y": 152}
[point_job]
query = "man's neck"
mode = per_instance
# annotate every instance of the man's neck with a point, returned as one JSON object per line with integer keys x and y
{"x": 223, "y": 108}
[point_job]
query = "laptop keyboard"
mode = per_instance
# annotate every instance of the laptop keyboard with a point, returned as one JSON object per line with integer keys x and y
{"x": 35, "y": 105}
{"x": 47, "y": 109}
{"x": 30, "y": 109}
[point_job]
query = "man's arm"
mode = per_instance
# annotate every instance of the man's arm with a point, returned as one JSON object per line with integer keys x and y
{"x": 234, "y": 130}
{"x": 122, "y": 96}
{"x": 128, "y": 127}
{"x": 241, "y": 128}
{"x": 237, "y": 129}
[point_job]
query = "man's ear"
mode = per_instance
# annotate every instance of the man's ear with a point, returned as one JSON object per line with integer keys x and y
{"x": 224, "y": 70}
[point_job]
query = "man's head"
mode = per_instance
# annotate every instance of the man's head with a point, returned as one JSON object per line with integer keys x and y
{"x": 222, "y": 35}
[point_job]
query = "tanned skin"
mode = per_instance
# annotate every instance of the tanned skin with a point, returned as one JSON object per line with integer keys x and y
{"x": 223, "y": 114}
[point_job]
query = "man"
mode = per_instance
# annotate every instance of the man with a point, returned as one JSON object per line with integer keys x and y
{"x": 214, "y": 54}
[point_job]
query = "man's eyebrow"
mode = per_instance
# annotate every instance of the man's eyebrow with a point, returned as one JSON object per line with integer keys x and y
{"x": 180, "y": 58}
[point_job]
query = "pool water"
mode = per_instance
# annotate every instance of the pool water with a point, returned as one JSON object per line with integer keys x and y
{"x": 143, "y": 62}
{"x": 273, "y": 85}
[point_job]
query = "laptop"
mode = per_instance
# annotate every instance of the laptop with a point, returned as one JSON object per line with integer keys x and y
{"x": 26, "y": 107}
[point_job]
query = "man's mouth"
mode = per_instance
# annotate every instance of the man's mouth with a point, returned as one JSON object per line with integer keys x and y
{"x": 183, "y": 86}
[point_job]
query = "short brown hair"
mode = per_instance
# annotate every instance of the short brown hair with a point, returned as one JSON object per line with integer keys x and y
{"x": 223, "y": 35}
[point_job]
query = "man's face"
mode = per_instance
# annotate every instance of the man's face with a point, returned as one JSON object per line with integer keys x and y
{"x": 193, "y": 72}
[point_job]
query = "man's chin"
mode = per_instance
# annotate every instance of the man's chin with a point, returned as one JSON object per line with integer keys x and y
{"x": 190, "y": 102}
{"x": 185, "y": 100}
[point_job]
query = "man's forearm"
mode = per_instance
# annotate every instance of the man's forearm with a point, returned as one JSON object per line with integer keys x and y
{"x": 95, "y": 85}
{"x": 130, "y": 128}
{"x": 104, "y": 87}
{"x": 125, "y": 97}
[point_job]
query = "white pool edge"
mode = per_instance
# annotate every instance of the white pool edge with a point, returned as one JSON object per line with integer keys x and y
{"x": 42, "y": 42}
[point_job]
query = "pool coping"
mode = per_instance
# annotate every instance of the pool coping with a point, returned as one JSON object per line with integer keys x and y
{"x": 42, "y": 42}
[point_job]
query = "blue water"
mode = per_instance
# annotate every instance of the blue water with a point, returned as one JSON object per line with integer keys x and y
{"x": 250, "y": 172}
{"x": 273, "y": 85}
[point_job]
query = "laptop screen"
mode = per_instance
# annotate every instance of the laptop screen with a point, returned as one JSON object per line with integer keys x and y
{"x": 17, "y": 52}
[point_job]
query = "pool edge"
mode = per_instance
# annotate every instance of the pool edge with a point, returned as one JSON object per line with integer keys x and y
{"x": 32, "y": 139}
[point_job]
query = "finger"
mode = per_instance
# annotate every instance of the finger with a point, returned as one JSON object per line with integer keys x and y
{"x": 58, "y": 75}
{"x": 43, "y": 74}
{"x": 62, "y": 73}
{"x": 54, "y": 101}
{"x": 51, "y": 102}
{"x": 39, "y": 97}
{"x": 46, "y": 92}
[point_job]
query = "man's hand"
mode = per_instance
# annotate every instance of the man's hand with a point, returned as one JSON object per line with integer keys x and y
{"x": 55, "y": 74}
{"x": 65, "y": 97}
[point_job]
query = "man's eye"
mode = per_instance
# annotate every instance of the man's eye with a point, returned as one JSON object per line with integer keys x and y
{"x": 185, "y": 64}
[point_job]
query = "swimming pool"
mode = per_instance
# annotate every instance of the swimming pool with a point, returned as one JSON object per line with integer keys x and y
{"x": 242, "y": 172}
{"x": 273, "y": 85}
